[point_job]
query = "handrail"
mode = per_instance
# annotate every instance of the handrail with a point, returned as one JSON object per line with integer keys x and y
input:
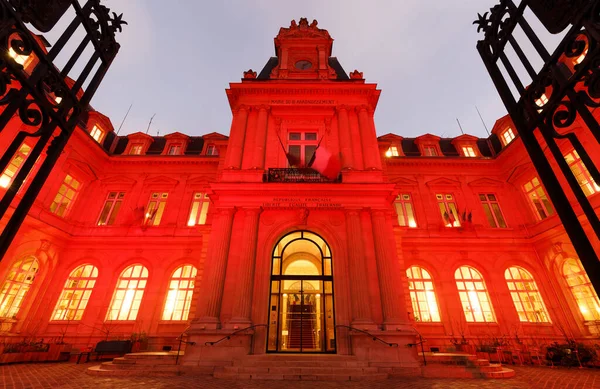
{"x": 180, "y": 338}
{"x": 420, "y": 343}
{"x": 233, "y": 333}
{"x": 375, "y": 338}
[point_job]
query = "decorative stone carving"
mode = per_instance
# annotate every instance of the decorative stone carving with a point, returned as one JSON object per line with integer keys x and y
{"x": 356, "y": 75}
{"x": 249, "y": 74}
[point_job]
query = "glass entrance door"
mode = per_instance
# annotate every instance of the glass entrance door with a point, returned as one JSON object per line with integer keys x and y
{"x": 301, "y": 317}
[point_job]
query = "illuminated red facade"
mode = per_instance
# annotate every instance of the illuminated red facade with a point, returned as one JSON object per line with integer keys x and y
{"x": 452, "y": 237}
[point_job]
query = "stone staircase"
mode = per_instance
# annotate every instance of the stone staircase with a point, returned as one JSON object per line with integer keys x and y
{"x": 300, "y": 367}
{"x": 139, "y": 364}
{"x": 450, "y": 365}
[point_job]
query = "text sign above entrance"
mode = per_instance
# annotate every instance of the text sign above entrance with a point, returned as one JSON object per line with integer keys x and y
{"x": 302, "y": 202}
{"x": 302, "y": 101}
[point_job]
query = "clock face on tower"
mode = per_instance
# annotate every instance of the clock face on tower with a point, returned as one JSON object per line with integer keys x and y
{"x": 303, "y": 65}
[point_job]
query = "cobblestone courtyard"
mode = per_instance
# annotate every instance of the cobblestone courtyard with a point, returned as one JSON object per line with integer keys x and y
{"x": 68, "y": 375}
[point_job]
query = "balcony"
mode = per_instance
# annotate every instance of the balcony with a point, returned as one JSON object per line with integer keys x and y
{"x": 296, "y": 175}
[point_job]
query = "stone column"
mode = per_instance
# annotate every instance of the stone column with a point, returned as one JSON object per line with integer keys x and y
{"x": 359, "y": 287}
{"x": 214, "y": 269}
{"x": 370, "y": 147}
{"x": 388, "y": 271}
{"x": 233, "y": 160}
{"x": 243, "y": 295}
{"x": 344, "y": 136}
{"x": 260, "y": 138}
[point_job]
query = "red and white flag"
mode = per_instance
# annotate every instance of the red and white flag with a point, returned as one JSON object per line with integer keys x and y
{"x": 326, "y": 163}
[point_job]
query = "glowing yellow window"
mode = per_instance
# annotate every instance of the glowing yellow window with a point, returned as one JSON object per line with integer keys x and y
{"x": 526, "y": 296}
{"x": 76, "y": 293}
{"x": 199, "y": 209}
{"x": 20, "y": 59}
{"x": 14, "y": 166}
{"x": 542, "y": 100}
{"x": 581, "y": 173}
{"x": 97, "y": 133}
{"x": 469, "y": 151}
{"x": 448, "y": 209}
{"x": 136, "y": 149}
{"x": 111, "y": 208}
{"x": 127, "y": 297}
{"x": 581, "y": 289}
{"x": 179, "y": 296}
{"x": 64, "y": 199}
{"x": 422, "y": 295}
{"x": 507, "y": 136}
{"x": 156, "y": 208}
{"x": 492, "y": 211}
{"x": 537, "y": 199}
{"x": 16, "y": 285}
{"x": 392, "y": 152}
{"x": 474, "y": 297}
{"x": 405, "y": 210}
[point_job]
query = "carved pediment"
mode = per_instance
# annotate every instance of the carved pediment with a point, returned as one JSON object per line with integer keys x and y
{"x": 81, "y": 167}
{"x": 403, "y": 181}
{"x": 200, "y": 180}
{"x": 442, "y": 182}
{"x": 161, "y": 180}
{"x": 303, "y": 30}
{"x": 214, "y": 136}
{"x": 118, "y": 180}
{"x": 482, "y": 182}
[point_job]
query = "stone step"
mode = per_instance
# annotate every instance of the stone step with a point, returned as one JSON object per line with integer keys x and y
{"x": 503, "y": 373}
{"x": 120, "y": 366}
{"x": 154, "y": 355}
{"x": 302, "y": 377}
{"x": 294, "y": 363}
{"x": 100, "y": 371}
{"x": 490, "y": 368}
{"x": 123, "y": 361}
{"x": 301, "y": 357}
{"x": 289, "y": 370}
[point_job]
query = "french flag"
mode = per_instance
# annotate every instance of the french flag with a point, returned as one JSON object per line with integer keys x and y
{"x": 326, "y": 163}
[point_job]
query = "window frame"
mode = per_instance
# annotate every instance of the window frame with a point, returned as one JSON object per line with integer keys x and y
{"x": 9, "y": 308}
{"x": 475, "y": 277}
{"x": 97, "y": 130}
{"x": 132, "y": 282}
{"x": 136, "y": 147}
{"x": 302, "y": 143}
{"x": 200, "y": 212}
{"x": 430, "y": 296}
{"x": 119, "y": 198}
{"x": 584, "y": 288}
{"x": 150, "y": 214}
{"x": 428, "y": 149}
{"x": 402, "y": 199}
{"x": 177, "y": 147}
{"x": 468, "y": 151}
{"x": 445, "y": 201}
{"x": 392, "y": 151}
{"x": 587, "y": 184}
{"x": 490, "y": 203}
{"x": 87, "y": 289}
{"x": 188, "y": 293}
{"x": 214, "y": 148}
{"x": 518, "y": 290}
{"x": 548, "y": 212}
{"x": 68, "y": 186}
{"x": 503, "y": 136}
{"x": 19, "y": 154}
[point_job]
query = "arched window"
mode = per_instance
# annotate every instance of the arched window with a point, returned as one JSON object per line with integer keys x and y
{"x": 525, "y": 295}
{"x": 582, "y": 290}
{"x": 128, "y": 294}
{"x": 76, "y": 293}
{"x": 473, "y": 295}
{"x": 422, "y": 295}
{"x": 17, "y": 284}
{"x": 179, "y": 297}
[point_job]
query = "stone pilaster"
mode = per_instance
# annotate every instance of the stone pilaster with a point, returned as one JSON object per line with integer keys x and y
{"x": 345, "y": 138}
{"x": 243, "y": 294}
{"x": 361, "y": 313}
{"x": 260, "y": 138}
{"x": 233, "y": 160}
{"x": 214, "y": 269}
{"x": 370, "y": 147}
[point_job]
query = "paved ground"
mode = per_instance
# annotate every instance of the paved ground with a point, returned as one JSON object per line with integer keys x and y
{"x": 68, "y": 375}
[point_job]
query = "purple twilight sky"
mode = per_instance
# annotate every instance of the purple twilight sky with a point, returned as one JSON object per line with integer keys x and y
{"x": 177, "y": 58}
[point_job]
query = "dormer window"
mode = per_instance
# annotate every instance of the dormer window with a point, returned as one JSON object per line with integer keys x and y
{"x": 542, "y": 100}
{"x": 392, "y": 152}
{"x": 96, "y": 132}
{"x": 430, "y": 151}
{"x": 507, "y": 136}
{"x": 20, "y": 59}
{"x": 468, "y": 151}
{"x": 212, "y": 150}
{"x": 174, "y": 149}
{"x": 136, "y": 149}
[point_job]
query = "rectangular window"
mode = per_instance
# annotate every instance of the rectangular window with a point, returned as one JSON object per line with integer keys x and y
{"x": 111, "y": 208}
{"x": 468, "y": 151}
{"x": 20, "y": 59}
{"x": 448, "y": 209}
{"x": 212, "y": 150}
{"x": 508, "y": 136}
{"x": 174, "y": 150}
{"x": 492, "y": 211}
{"x": 538, "y": 199}
{"x": 581, "y": 173}
{"x": 199, "y": 210}
{"x": 156, "y": 208}
{"x": 392, "y": 152}
{"x": 430, "y": 151}
{"x": 97, "y": 133}
{"x": 405, "y": 211}
{"x": 14, "y": 166}
{"x": 302, "y": 146}
{"x": 64, "y": 199}
{"x": 136, "y": 149}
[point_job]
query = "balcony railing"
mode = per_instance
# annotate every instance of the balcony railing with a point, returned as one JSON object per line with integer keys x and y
{"x": 297, "y": 175}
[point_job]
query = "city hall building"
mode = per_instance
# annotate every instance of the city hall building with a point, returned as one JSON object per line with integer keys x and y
{"x": 453, "y": 239}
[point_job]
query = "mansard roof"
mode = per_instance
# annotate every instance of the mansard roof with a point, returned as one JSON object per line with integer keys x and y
{"x": 193, "y": 146}
{"x": 488, "y": 147}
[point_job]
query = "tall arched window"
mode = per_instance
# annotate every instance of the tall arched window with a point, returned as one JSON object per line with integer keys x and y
{"x": 76, "y": 293}
{"x": 422, "y": 295}
{"x": 582, "y": 290}
{"x": 473, "y": 295}
{"x": 525, "y": 295}
{"x": 128, "y": 294}
{"x": 179, "y": 297}
{"x": 16, "y": 285}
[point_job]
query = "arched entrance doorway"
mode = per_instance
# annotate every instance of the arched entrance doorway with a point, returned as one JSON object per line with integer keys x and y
{"x": 301, "y": 316}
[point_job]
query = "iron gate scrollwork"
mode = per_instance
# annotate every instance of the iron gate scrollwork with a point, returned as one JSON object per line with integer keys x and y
{"x": 564, "y": 91}
{"x": 39, "y": 95}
